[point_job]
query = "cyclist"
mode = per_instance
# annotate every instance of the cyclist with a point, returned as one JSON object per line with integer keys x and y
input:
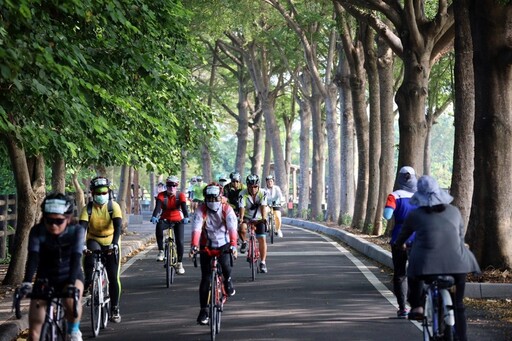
{"x": 214, "y": 228}
{"x": 253, "y": 206}
{"x": 190, "y": 193}
{"x": 438, "y": 247}
{"x": 398, "y": 205}
{"x": 275, "y": 201}
{"x": 55, "y": 254}
{"x": 232, "y": 190}
{"x": 102, "y": 219}
{"x": 223, "y": 180}
{"x": 173, "y": 207}
{"x": 197, "y": 192}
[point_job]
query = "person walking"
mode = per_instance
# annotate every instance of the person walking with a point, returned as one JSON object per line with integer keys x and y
{"x": 438, "y": 248}
{"x": 398, "y": 205}
{"x": 102, "y": 219}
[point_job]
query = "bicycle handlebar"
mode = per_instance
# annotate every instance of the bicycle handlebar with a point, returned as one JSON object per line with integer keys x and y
{"x": 47, "y": 294}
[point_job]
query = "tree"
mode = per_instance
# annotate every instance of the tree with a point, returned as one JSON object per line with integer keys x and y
{"x": 489, "y": 226}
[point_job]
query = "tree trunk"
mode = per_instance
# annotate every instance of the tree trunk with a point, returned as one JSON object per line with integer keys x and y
{"x": 183, "y": 175}
{"x": 464, "y": 115}
{"x": 242, "y": 132}
{"x": 136, "y": 192}
{"x": 387, "y": 160}
{"x": 206, "y": 163}
{"x": 59, "y": 175}
{"x": 489, "y": 229}
{"x": 347, "y": 133}
{"x": 30, "y": 191}
{"x": 318, "y": 163}
{"x": 123, "y": 192}
{"x": 304, "y": 142}
{"x": 333, "y": 138}
{"x": 374, "y": 137}
{"x": 79, "y": 193}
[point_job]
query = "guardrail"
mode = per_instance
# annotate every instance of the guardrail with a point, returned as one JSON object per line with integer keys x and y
{"x": 8, "y": 220}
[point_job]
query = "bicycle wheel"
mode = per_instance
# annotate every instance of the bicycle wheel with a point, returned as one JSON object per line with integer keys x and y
{"x": 213, "y": 307}
{"x": 272, "y": 228}
{"x": 254, "y": 260}
{"x": 95, "y": 304}
{"x": 427, "y": 320}
{"x": 173, "y": 260}
{"x": 167, "y": 265}
{"x": 218, "y": 302}
{"x": 60, "y": 324}
{"x": 105, "y": 311}
{"x": 445, "y": 330}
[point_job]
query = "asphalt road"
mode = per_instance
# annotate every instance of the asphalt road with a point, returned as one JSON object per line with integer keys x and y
{"x": 314, "y": 290}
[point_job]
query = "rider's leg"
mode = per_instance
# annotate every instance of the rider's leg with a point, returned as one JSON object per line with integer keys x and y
{"x": 159, "y": 234}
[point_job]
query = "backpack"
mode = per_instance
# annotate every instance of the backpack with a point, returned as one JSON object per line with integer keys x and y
{"x": 166, "y": 200}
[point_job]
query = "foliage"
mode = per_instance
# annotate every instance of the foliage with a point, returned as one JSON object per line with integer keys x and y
{"x": 77, "y": 76}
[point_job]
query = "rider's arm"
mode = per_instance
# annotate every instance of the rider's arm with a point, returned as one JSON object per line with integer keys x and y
{"x": 197, "y": 225}
{"x": 183, "y": 205}
{"x": 75, "y": 261}
{"x": 33, "y": 254}
{"x": 117, "y": 221}
{"x": 390, "y": 206}
{"x": 158, "y": 207}
{"x": 231, "y": 226}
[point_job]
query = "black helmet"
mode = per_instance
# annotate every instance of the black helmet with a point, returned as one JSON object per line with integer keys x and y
{"x": 57, "y": 203}
{"x": 99, "y": 181}
{"x": 234, "y": 176}
{"x": 212, "y": 190}
{"x": 252, "y": 179}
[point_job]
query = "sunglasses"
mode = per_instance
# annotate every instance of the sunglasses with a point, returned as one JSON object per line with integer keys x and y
{"x": 54, "y": 221}
{"x": 172, "y": 184}
{"x": 105, "y": 193}
{"x": 255, "y": 186}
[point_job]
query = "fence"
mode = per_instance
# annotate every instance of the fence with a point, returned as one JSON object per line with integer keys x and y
{"x": 8, "y": 219}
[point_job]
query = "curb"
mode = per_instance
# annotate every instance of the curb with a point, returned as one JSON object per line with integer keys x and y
{"x": 473, "y": 290}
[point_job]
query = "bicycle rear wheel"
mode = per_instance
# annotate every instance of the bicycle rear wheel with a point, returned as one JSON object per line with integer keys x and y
{"x": 96, "y": 305}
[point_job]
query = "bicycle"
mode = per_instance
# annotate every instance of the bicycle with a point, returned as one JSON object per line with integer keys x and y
{"x": 217, "y": 295}
{"x": 170, "y": 254}
{"x": 55, "y": 325}
{"x": 439, "y": 318}
{"x": 99, "y": 300}
{"x": 253, "y": 251}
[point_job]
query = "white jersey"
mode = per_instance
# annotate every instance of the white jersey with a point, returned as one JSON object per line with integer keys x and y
{"x": 274, "y": 196}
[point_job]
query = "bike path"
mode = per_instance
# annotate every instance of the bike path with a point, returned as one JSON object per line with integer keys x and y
{"x": 314, "y": 290}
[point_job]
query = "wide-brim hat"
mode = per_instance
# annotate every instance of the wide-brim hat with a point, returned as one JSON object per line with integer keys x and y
{"x": 429, "y": 193}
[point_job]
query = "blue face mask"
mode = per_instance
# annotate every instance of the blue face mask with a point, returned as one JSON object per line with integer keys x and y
{"x": 101, "y": 199}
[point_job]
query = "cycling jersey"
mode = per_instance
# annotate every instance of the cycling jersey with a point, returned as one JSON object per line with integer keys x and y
{"x": 100, "y": 227}
{"x": 172, "y": 209}
{"x": 252, "y": 203}
{"x": 232, "y": 194}
{"x": 220, "y": 227}
{"x": 274, "y": 196}
{"x": 398, "y": 201}
{"x": 197, "y": 191}
{"x": 55, "y": 257}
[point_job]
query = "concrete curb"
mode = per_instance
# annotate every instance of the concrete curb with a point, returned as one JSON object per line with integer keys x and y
{"x": 473, "y": 290}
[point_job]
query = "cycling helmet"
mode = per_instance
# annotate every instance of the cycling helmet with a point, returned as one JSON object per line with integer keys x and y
{"x": 57, "y": 203}
{"x": 234, "y": 176}
{"x": 223, "y": 178}
{"x": 212, "y": 190}
{"x": 98, "y": 182}
{"x": 252, "y": 180}
{"x": 172, "y": 179}
{"x": 199, "y": 178}
{"x": 270, "y": 177}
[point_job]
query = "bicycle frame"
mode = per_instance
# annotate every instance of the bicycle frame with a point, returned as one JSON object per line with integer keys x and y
{"x": 439, "y": 311}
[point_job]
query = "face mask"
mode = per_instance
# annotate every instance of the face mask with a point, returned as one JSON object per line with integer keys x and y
{"x": 214, "y": 206}
{"x": 101, "y": 199}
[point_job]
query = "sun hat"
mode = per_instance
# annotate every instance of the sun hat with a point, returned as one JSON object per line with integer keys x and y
{"x": 429, "y": 193}
{"x": 407, "y": 179}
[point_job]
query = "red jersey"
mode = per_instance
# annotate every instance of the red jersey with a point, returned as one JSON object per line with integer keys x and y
{"x": 171, "y": 208}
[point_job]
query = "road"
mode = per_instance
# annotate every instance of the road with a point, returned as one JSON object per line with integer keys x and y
{"x": 314, "y": 290}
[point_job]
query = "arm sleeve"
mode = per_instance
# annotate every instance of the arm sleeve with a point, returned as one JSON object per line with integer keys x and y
{"x": 231, "y": 226}
{"x": 118, "y": 222}
{"x": 157, "y": 207}
{"x": 75, "y": 262}
{"x": 31, "y": 266}
{"x": 196, "y": 227}
{"x": 183, "y": 204}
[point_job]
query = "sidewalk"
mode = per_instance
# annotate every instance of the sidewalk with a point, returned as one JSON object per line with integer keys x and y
{"x": 137, "y": 236}
{"x": 473, "y": 290}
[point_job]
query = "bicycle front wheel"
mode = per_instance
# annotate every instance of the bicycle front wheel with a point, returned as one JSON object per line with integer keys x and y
{"x": 173, "y": 260}
{"x": 272, "y": 229}
{"x": 167, "y": 265}
{"x": 213, "y": 307}
{"x": 218, "y": 302}
{"x": 254, "y": 260}
{"x": 96, "y": 304}
{"x": 105, "y": 310}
